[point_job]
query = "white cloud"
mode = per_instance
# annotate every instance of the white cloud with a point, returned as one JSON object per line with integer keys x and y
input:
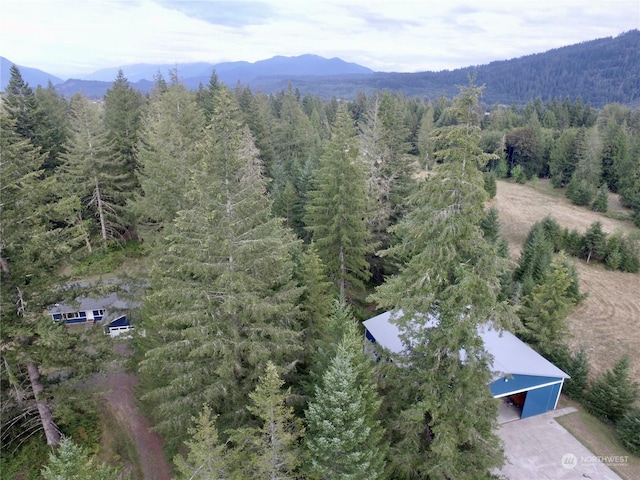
{"x": 79, "y": 36}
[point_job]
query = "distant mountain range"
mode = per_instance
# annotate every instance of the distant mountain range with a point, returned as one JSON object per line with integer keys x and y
{"x": 31, "y": 75}
{"x": 600, "y": 71}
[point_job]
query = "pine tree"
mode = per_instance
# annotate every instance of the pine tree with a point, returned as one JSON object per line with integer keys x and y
{"x": 344, "y": 438}
{"x": 91, "y": 173}
{"x": 207, "y": 457}
{"x": 336, "y": 213}
{"x": 449, "y": 273}
{"x": 222, "y": 297}
{"x": 270, "y": 450}
{"x": 73, "y": 462}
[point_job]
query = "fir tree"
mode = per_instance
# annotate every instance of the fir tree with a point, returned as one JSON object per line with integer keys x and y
{"x": 535, "y": 259}
{"x": 222, "y": 297}
{"x": 336, "y": 213}
{"x": 91, "y": 173}
{"x": 449, "y": 273}
{"x": 628, "y": 430}
{"x": 52, "y": 124}
{"x": 294, "y": 141}
{"x": 384, "y": 145}
{"x": 33, "y": 243}
{"x": 20, "y": 104}
{"x": 73, "y": 462}
{"x": 172, "y": 127}
{"x": 270, "y": 450}
{"x": 344, "y": 438}
{"x": 207, "y": 457}
{"x": 545, "y": 309}
{"x": 594, "y": 243}
{"x": 612, "y": 393}
{"x": 122, "y": 111}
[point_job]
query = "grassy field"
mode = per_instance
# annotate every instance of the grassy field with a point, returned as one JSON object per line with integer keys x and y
{"x": 600, "y": 438}
{"x": 607, "y": 322}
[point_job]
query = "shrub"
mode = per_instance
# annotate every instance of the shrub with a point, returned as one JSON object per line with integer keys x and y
{"x": 577, "y": 366}
{"x": 628, "y": 430}
{"x": 580, "y": 192}
{"x": 594, "y": 243}
{"x": 490, "y": 185}
{"x": 572, "y": 242}
{"x": 502, "y": 169}
{"x": 518, "y": 174}
{"x": 613, "y": 255}
{"x": 630, "y": 257}
{"x": 601, "y": 203}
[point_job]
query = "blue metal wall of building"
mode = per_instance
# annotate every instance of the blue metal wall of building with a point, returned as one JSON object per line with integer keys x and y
{"x": 541, "y": 400}
{"x": 517, "y": 383}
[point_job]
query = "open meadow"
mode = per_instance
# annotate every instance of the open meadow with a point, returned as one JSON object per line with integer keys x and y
{"x": 607, "y": 322}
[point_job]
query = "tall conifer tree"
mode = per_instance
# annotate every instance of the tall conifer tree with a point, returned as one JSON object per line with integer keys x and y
{"x": 337, "y": 211}
{"x": 122, "y": 112}
{"x": 172, "y": 126}
{"x": 344, "y": 439}
{"x": 271, "y": 449}
{"x": 222, "y": 299}
{"x": 92, "y": 173}
{"x": 33, "y": 243}
{"x": 441, "y": 413}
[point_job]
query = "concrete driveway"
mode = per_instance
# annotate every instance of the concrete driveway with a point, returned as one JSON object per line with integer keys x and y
{"x": 539, "y": 448}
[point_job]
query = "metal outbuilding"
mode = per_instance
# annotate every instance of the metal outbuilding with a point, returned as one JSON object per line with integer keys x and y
{"x": 521, "y": 375}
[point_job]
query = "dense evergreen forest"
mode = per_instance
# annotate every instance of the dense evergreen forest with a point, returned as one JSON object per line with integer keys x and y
{"x": 268, "y": 226}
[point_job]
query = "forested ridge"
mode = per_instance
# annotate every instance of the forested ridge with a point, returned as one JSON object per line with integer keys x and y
{"x": 602, "y": 71}
{"x": 265, "y": 227}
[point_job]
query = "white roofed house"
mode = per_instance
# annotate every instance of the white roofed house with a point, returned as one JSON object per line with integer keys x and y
{"x": 520, "y": 374}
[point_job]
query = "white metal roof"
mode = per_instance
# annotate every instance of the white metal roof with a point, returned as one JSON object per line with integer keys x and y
{"x": 510, "y": 354}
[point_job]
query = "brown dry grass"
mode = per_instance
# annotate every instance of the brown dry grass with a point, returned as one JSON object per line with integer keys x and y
{"x": 607, "y": 322}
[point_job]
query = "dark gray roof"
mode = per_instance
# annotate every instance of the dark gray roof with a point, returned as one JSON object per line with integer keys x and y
{"x": 110, "y": 302}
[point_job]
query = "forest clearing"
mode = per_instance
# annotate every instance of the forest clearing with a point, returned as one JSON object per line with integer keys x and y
{"x": 606, "y": 322}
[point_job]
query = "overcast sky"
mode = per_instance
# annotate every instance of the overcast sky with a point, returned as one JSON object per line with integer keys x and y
{"x": 66, "y": 37}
